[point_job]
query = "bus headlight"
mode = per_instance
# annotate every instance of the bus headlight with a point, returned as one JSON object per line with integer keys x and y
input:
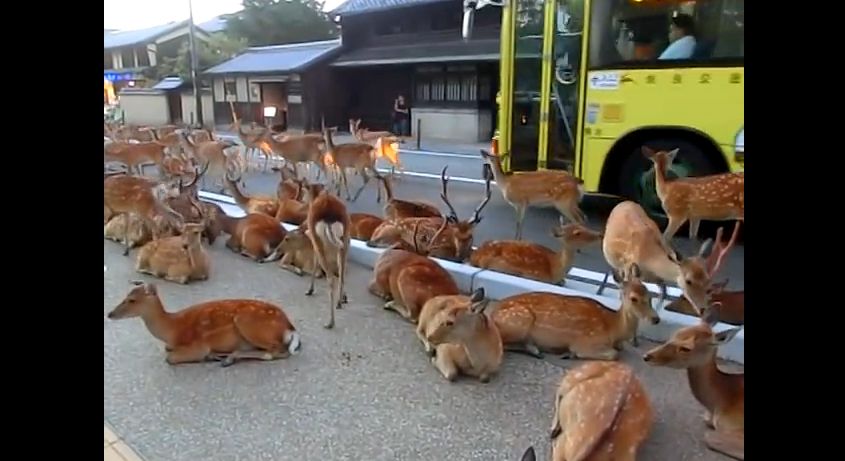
{"x": 739, "y": 146}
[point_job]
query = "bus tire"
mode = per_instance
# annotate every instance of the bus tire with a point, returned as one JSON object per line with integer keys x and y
{"x": 637, "y": 173}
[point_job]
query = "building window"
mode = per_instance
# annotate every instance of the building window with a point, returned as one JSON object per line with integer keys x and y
{"x": 451, "y": 85}
{"x": 107, "y": 61}
{"x": 143, "y": 57}
{"x": 128, "y": 57}
{"x": 230, "y": 89}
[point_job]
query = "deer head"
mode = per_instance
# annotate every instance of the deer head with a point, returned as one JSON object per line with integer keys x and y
{"x": 141, "y": 299}
{"x": 697, "y": 272}
{"x": 692, "y": 346}
{"x": 460, "y": 232}
{"x": 459, "y": 322}
{"x": 634, "y": 296}
{"x": 575, "y": 236}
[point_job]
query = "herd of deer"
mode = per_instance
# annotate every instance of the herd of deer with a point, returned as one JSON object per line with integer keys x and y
{"x": 602, "y": 411}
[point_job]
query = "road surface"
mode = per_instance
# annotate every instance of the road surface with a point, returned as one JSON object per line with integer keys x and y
{"x": 363, "y": 391}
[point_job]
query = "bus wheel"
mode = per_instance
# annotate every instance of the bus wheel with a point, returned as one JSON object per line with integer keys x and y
{"x": 636, "y": 178}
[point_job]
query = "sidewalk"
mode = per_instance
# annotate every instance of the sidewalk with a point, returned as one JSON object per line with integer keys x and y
{"x": 115, "y": 450}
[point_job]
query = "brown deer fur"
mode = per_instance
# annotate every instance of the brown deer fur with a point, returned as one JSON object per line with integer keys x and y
{"x": 178, "y": 259}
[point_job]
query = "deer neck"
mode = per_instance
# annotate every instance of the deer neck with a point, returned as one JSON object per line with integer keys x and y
{"x": 565, "y": 257}
{"x": 626, "y": 324}
{"x": 239, "y": 196}
{"x": 480, "y": 347}
{"x": 498, "y": 173}
{"x": 705, "y": 381}
{"x": 660, "y": 179}
{"x": 159, "y": 323}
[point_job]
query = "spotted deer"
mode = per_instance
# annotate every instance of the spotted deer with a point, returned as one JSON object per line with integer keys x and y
{"x": 722, "y": 394}
{"x": 717, "y": 197}
{"x": 602, "y": 412}
{"x": 730, "y": 304}
{"x": 576, "y": 326}
{"x": 141, "y": 197}
{"x": 179, "y": 259}
{"x": 138, "y": 232}
{"x": 222, "y": 329}
{"x": 535, "y": 261}
{"x": 465, "y": 340}
{"x": 541, "y": 188}
{"x": 135, "y": 155}
{"x": 396, "y": 209}
{"x": 631, "y": 237}
{"x": 255, "y": 235}
{"x": 209, "y": 152}
{"x": 448, "y": 238}
{"x": 358, "y": 155}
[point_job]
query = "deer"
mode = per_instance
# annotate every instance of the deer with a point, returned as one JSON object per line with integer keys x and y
{"x": 722, "y": 394}
{"x": 577, "y": 326}
{"x": 717, "y": 197}
{"x": 363, "y": 225}
{"x": 602, "y": 412}
{"x": 465, "y": 339}
{"x": 289, "y": 184}
{"x": 541, "y": 188}
{"x": 179, "y": 259}
{"x": 296, "y": 149}
{"x": 731, "y": 304}
{"x": 135, "y": 156}
{"x": 209, "y": 152}
{"x": 630, "y": 236}
{"x": 255, "y": 235}
{"x": 407, "y": 280}
{"x": 329, "y": 225}
{"x": 358, "y": 155}
{"x": 448, "y": 238}
{"x": 138, "y": 234}
{"x": 254, "y": 141}
{"x": 535, "y": 261}
{"x": 226, "y": 330}
{"x": 297, "y": 254}
{"x": 396, "y": 209}
{"x": 264, "y": 204}
{"x": 139, "y": 196}
{"x": 385, "y": 142}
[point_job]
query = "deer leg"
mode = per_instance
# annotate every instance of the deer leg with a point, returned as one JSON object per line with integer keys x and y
{"x": 520, "y": 216}
{"x": 728, "y": 443}
{"x": 345, "y": 184}
{"x": 444, "y": 363}
{"x": 126, "y": 234}
{"x": 365, "y": 179}
{"x": 600, "y": 354}
{"x": 334, "y": 294}
{"x": 693, "y": 228}
{"x": 188, "y": 354}
{"x": 675, "y": 223}
{"x": 525, "y": 348}
{"x": 396, "y": 306}
{"x": 313, "y": 275}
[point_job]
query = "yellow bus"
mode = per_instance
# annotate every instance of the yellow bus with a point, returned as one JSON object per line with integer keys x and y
{"x": 586, "y": 83}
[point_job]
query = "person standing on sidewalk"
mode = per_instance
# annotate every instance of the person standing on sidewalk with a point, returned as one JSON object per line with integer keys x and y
{"x": 401, "y": 117}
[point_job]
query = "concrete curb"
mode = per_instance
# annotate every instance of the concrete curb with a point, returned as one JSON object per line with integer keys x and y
{"x": 498, "y": 286}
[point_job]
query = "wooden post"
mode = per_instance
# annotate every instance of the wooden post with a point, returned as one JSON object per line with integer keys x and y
{"x": 419, "y": 132}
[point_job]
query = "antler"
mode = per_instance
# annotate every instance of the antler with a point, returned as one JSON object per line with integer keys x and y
{"x": 453, "y": 217}
{"x": 475, "y": 216}
{"x": 197, "y": 175}
{"x": 720, "y": 250}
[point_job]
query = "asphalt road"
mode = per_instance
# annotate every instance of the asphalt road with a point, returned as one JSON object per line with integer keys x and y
{"x": 363, "y": 391}
{"x": 499, "y": 218}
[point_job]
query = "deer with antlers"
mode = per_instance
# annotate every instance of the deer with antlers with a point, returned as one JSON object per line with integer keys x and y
{"x": 541, "y": 188}
{"x": 602, "y": 412}
{"x": 576, "y": 326}
{"x": 631, "y": 237}
{"x": 223, "y": 329}
{"x": 209, "y": 152}
{"x": 730, "y": 304}
{"x": 448, "y": 238}
{"x": 722, "y": 394}
{"x": 329, "y": 226}
{"x": 718, "y": 197}
{"x": 142, "y": 197}
{"x": 357, "y": 155}
{"x": 534, "y": 261}
{"x": 396, "y": 209}
{"x": 178, "y": 259}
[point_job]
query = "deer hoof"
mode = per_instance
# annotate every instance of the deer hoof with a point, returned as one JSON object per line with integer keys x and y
{"x": 309, "y": 292}
{"x": 228, "y": 361}
{"x": 329, "y": 325}
{"x": 568, "y": 355}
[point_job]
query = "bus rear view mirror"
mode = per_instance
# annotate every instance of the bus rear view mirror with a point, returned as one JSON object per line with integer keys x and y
{"x": 469, "y": 19}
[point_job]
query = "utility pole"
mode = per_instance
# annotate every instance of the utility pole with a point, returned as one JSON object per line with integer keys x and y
{"x": 194, "y": 64}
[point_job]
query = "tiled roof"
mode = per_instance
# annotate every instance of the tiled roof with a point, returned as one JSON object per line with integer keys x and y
{"x": 366, "y": 6}
{"x": 277, "y": 58}
{"x": 169, "y": 83}
{"x": 140, "y": 36}
{"x": 476, "y": 50}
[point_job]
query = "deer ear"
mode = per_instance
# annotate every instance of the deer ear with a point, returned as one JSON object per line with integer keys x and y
{"x": 706, "y": 248}
{"x": 672, "y": 154}
{"x": 616, "y": 277}
{"x": 724, "y": 337}
{"x": 634, "y": 271}
{"x": 480, "y": 306}
{"x": 648, "y": 152}
{"x": 529, "y": 455}
{"x": 477, "y": 295}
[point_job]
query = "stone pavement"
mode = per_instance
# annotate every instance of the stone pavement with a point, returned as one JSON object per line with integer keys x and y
{"x": 115, "y": 449}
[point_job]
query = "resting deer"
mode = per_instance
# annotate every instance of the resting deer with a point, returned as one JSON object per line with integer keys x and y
{"x": 718, "y": 197}
{"x": 297, "y": 254}
{"x": 541, "y": 188}
{"x": 722, "y": 394}
{"x": 363, "y": 225}
{"x": 178, "y": 259}
{"x": 602, "y": 412}
{"x": 328, "y": 222}
{"x": 255, "y": 235}
{"x": 221, "y": 329}
{"x": 263, "y": 204}
{"x": 357, "y": 155}
{"x": 448, "y": 238}
{"x": 138, "y": 234}
{"x": 139, "y": 196}
{"x": 396, "y": 209}
{"x": 577, "y": 326}
{"x": 534, "y": 261}
{"x": 289, "y": 184}
{"x": 407, "y": 280}
{"x": 631, "y": 237}
{"x": 466, "y": 341}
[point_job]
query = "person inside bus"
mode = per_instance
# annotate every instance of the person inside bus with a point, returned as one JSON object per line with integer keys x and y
{"x": 681, "y": 38}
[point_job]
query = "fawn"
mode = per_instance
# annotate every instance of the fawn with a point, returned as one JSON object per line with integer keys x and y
{"x": 463, "y": 338}
{"x": 602, "y": 412}
{"x": 535, "y": 261}
{"x": 577, "y": 326}
{"x": 722, "y": 394}
{"x": 541, "y": 188}
{"x": 222, "y": 329}
{"x": 298, "y": 254}
{"x": 177, "y": 259}
{"x": 717, "y": 197}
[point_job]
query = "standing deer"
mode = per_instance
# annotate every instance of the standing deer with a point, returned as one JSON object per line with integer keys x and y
{"x": 222, "y": 329}
{"x": 722, "y": 394}
{"x": 465, "y": 339}
{"x": 209, "y": 152}
{"x": 541, "y": 188}
{"x": 535, "y": 261}
{"x": 718, "y": 197}
{"x": 329, "y": 226}
{"x": 577, "y": 326}
{"x": 357, "y": 155}
{"x": 631, "y": 237}
{"x": 602, "y": 412}
{"x": 385, "y": 142}
{"x": 731, "y": 304}
{"x": 139, "y": 196}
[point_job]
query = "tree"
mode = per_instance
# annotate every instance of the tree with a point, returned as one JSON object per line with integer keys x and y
{"x": 219, "y": 48}
{"x": 276, "y": 22}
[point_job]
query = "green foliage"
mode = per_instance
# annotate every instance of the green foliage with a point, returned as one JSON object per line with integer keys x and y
{"x": 276, "y": 22}
{"x": 219, "y": 48}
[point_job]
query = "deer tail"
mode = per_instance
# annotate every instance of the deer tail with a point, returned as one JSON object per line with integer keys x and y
{"x": 330, "y": 232}
{"x": 292, "y": 340}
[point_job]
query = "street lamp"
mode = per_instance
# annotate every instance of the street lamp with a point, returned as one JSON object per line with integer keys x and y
{"x": 194, "y": 63}
{"x": 269, "y": 114}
